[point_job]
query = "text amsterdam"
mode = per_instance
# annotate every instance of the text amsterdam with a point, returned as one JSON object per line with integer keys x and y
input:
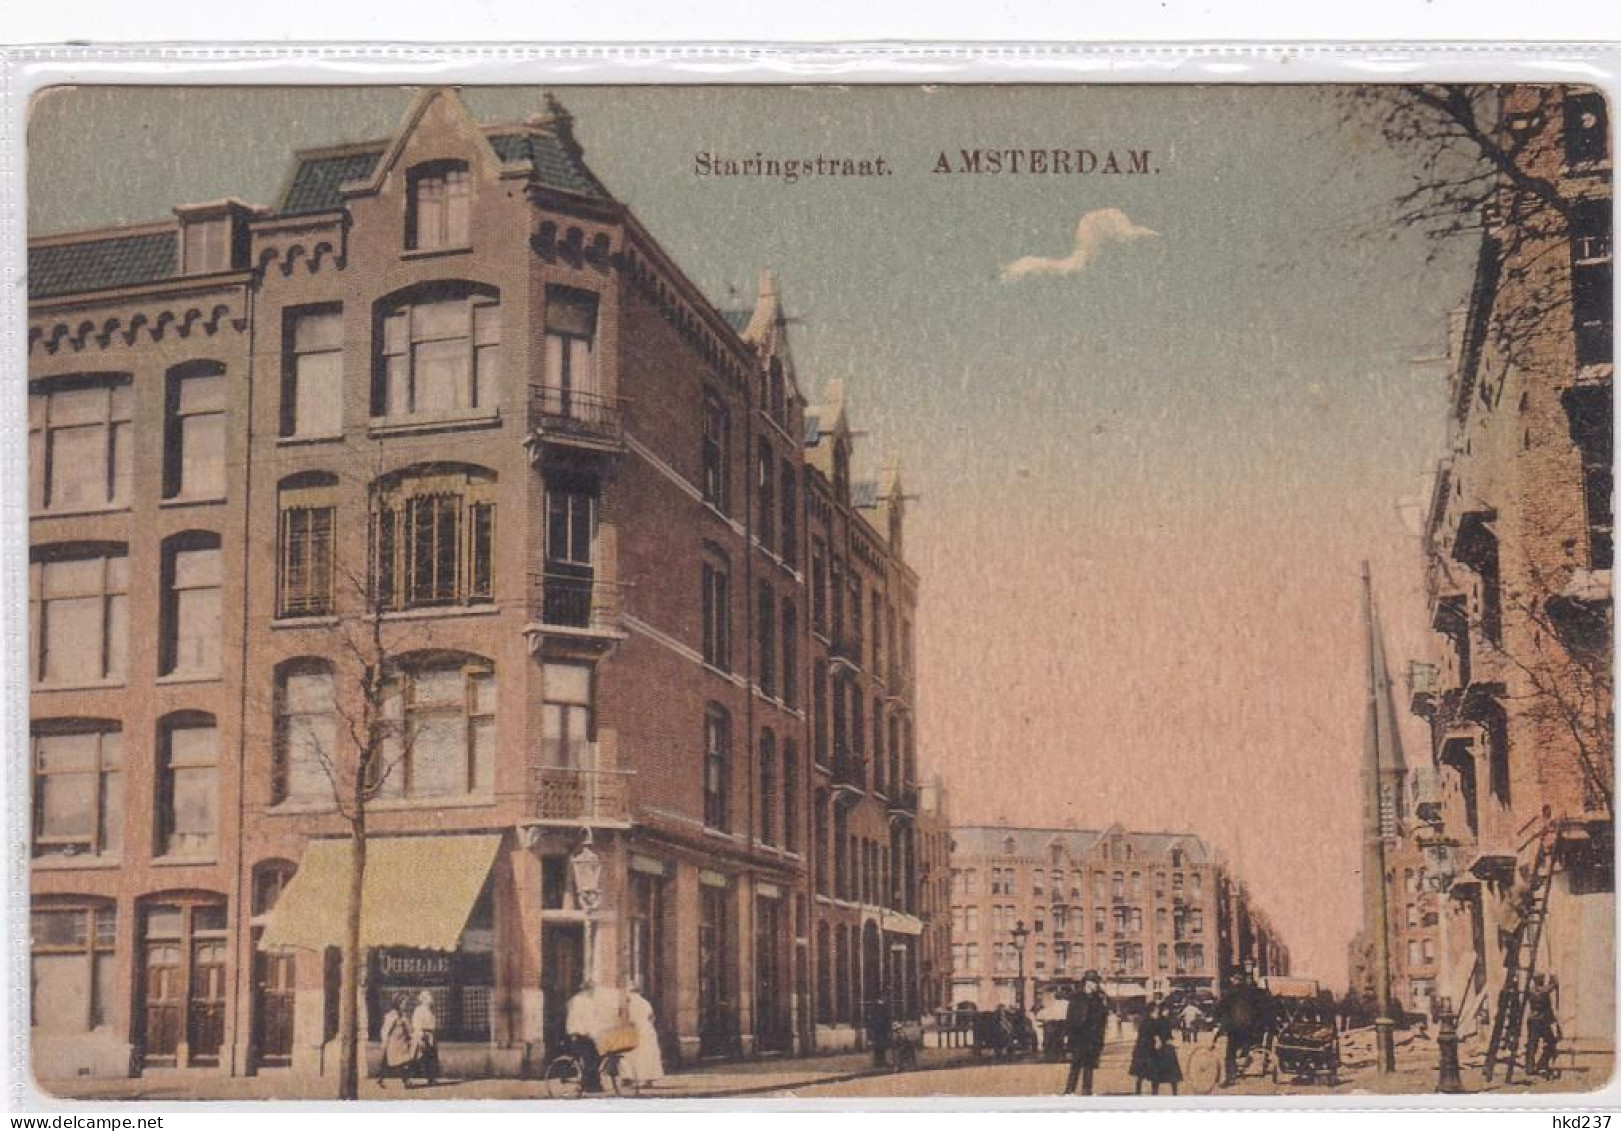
{"x": 1062, "y": 162}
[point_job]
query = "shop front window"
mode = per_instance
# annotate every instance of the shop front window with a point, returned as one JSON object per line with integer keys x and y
{"x": 461, "y": 982}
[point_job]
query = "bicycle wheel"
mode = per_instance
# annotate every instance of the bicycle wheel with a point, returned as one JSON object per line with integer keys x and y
{"x": 564, "y": 1079}
{"x": 1203, "y": 1071}
{"x": 621, "y": 1078}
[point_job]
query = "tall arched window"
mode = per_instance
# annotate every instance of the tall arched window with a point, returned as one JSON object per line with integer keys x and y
{"x": 439, "y": 352}
{"x": 769, "y": 787}
{"x": 442, "y": 739}
{"x": 717, "y": 767}
{"x": 188, "y": 785}
{"x": 190, "y": 640}
{"x": 308, "y": 505}
{"x": 434, "y": 537}
{"x": 305, "y": 758}
{"x": 194, "y": 441}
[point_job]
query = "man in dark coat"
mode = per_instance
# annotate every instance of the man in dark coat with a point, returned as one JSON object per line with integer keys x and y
{"x": 1242, "y": 1013}
{"x": 1541, "y": 1026}
{"x": 878, "y": 1026}
{"x": 1086, "y": 1018}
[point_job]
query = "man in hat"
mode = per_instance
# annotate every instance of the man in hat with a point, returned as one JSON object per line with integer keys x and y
{"x": 1087, "y": 1016}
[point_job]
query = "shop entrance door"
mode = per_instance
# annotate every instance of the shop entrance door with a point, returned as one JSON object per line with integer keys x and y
{"x": 770, "y": 1008}
{"x": 273, "y": 981}
{"x": 717, "y": 1029}
{"x": 162, "y": 1005}
{"x": 205, "y": 1012}
{"x": 562, "y": 971}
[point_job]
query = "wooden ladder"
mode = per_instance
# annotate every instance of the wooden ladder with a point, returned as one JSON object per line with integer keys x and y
{"x": 1520, "y": 965}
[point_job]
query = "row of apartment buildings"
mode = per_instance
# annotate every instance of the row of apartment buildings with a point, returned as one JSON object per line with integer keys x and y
{"x": 1150, "y": 912}
{"x": 446, "y": 435}
{"x": 1514, "y": 801}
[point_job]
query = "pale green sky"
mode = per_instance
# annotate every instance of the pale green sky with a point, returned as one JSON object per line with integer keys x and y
{"x": 1145, "y": 486}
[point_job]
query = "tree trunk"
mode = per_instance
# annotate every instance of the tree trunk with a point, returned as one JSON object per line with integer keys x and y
{"x": 349, "y": 1043}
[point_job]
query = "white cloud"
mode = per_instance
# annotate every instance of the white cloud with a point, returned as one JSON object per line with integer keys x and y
{"x": 1095, "y": 231}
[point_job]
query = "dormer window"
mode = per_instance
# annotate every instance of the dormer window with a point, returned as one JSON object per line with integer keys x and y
{"x": 208, "y": 246}
{"x": 438, "y": 211}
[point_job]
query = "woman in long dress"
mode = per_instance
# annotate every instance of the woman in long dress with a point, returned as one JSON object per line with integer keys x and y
{"x": 645, "y": 1061}
{"x": 398, "y": 1047}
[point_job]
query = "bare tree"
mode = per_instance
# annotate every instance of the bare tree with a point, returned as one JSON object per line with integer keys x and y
{"x": 367, "y": 744}
{"x": 1484, "y": 164}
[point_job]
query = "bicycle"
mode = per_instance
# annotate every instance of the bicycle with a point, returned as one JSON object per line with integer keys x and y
{"x": 1204, "y": 1066}
{"x": 564, "y": 1078}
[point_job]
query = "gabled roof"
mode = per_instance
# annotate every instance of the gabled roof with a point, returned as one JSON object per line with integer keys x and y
{"x": 864, "y": 493}
{"x": 87, "y": 265}
{"x": 320, "y": 174}
{"x": 737, "y": 319}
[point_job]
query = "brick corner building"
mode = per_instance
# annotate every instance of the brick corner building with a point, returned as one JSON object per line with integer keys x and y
{"x": 449, "y": 397}
{"x": 1516, "y": 806}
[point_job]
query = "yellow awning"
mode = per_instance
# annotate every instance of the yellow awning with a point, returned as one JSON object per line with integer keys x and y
{"x": 418, "y": 892}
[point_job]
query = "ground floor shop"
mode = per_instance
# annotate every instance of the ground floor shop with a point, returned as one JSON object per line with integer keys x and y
{"x": 866, "y": 960}
{"x": 496, "y": 929}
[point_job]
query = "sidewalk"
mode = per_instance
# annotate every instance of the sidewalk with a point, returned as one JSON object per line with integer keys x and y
{"x": 706, "y": 1081}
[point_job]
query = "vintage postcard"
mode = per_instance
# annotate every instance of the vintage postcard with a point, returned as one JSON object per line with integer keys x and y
{"x": 820, "y": 591}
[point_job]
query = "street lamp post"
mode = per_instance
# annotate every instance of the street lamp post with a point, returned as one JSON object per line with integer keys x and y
{"x": 587, "y": 867}
{"x": 1020, "y": 933}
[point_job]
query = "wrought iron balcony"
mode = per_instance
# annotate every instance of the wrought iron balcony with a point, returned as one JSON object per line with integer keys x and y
{"x": 849, "y": 769}
{"x": 568, "y": 418}
{"x": 563, "y": 795}
{"x": 574, "y": 612}
{"x": 903, "y": 798}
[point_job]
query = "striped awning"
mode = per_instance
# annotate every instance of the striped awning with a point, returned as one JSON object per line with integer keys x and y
{"x": 418, "y": 893}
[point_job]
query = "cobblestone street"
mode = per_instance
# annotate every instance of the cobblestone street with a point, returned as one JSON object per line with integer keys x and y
{"x": 942, "y": 1072}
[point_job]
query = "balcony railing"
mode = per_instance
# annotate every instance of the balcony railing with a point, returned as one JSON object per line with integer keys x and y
{"x": 849, "y": 769}
{"x": 565, "y": 795}
{"x": 566, "y": 416}
{"x": 572, "y": 606}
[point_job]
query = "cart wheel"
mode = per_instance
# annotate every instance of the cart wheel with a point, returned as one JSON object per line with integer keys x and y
{"x": 564, "y": 1079}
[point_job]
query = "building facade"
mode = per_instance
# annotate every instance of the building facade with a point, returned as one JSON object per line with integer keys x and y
{"x": 1150, "y": 912}
{"x": 863, "y": 697}
{"x": 443, "y": 440}
{"x": 934, "y": 895}
{"x": 1519, "y": 542}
